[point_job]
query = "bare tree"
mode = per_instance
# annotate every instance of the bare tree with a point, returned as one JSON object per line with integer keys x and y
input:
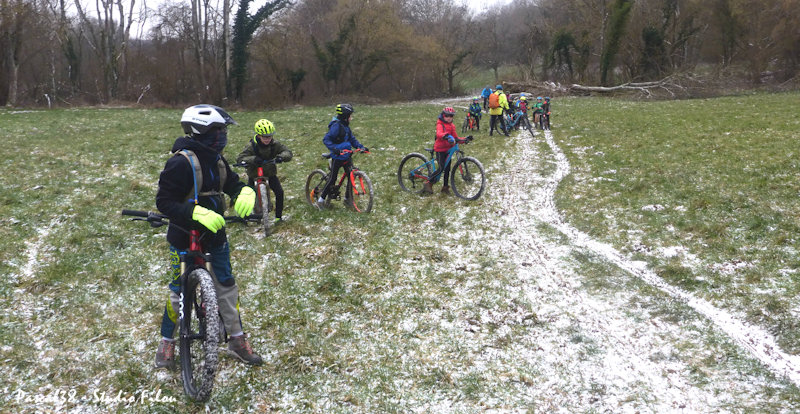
{"x": 14, "y": 16}
{"x": 108, "y": 34}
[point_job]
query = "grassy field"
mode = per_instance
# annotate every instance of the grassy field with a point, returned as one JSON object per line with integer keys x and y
{"x": 705, "y": 191}
{"x": 359, "y": 312}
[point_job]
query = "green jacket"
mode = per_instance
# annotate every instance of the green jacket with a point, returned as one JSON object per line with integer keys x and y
{"x": 265, "y": 152}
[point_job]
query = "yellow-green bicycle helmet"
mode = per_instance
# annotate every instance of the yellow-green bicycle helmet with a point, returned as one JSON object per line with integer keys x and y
{"x": 264, "y": 127}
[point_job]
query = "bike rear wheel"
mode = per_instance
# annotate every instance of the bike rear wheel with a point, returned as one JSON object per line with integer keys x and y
{"x": 467, "y": 178}
{"x": 315, "y": 183}
{"x": 412, "y": 169}
{"x": 266, "y": 207}
{"x": 359, "y": 194}
{"x": 199, "y": 335}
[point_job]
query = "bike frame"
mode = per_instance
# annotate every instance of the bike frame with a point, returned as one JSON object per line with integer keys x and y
{"x": 432, "y": 162}
{"x": 353, "y": 170}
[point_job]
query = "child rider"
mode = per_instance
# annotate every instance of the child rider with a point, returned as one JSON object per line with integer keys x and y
{"x": 264, "y": 147}
{"x": 339, "y": 140}
{"x": 446, "y": 138}
{"x": 201, "y": 208}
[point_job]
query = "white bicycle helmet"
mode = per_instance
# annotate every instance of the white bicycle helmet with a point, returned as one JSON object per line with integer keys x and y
{"x": 199, "y": 119}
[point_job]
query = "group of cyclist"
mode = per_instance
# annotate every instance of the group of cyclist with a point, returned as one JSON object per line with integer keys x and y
{"x": 496, "y": 103}
{"x": 191, "y": 190}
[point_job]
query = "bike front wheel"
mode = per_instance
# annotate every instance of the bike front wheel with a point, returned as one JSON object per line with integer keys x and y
{"x": 467, "y": 178}
{"x": 199, "y": 335}
{"x": 266, "y": 207}
{"x": 414, "y": 170}
{"x": 359, "y": 194}
{"x": 315, "y": 184}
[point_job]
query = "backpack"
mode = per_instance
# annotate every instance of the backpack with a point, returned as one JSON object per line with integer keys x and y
{"x": 197, "y": 175}
{"x": 494, "y": 100}
{"x": 339, "y": 138}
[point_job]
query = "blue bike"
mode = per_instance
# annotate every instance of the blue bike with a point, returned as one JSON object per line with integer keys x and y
{"x": 467, "y": 176}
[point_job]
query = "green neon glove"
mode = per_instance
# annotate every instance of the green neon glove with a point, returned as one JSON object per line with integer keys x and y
{"x": 245, "y": 202}
{"x": 208, "y": 218}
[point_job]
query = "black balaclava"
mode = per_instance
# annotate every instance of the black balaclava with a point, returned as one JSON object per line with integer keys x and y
{"x": 216, "y": 139}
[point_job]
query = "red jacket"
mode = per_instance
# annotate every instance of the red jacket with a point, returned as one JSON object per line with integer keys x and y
{"x": 443, "y": 129}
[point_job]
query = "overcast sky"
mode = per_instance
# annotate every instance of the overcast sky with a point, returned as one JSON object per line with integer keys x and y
{"x": 481, "y": 5}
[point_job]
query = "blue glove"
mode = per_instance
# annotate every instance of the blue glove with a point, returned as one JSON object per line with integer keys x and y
{"x": 336, "y": 151}
{"x": 450, "y": 138}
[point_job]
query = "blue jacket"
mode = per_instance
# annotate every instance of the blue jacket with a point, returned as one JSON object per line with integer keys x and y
{"x": 340, "y": 137}
{"x": 486, "y": 92}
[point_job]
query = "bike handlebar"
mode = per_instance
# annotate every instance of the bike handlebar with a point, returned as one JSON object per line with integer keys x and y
{"x": 347, "y": 151}
{"x": 158, "y": 219}
{"x": 244, "y": 164}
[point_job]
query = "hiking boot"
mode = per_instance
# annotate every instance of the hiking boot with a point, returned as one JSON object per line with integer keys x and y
{"x": 446, "y": 190}
{"x": 165, "y": 356}
{"x": 427, "y": 188}
{"x": 239, "y": 347}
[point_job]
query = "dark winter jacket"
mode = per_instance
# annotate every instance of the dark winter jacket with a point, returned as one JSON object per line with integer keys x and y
{"x": 340, "y": 137}
{"x": 266, "y": 152}
{"x": 177, "y": 181}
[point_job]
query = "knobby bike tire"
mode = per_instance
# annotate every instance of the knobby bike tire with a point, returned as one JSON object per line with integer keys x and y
{"x": 315, "y": 183}
{"x": 467, "y": 178}
{"x": 412, "y": 165}
{"x": 359, "y": 195}
{"x": 264, "y": 200}
{"x": 465, "y": 126}
{"x": 199, "y": 335}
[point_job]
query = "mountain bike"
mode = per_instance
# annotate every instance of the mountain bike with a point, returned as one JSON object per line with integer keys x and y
{"x": 544, "y": 121}
{"x": 519, "y": 119}
{"x": 358, "y": 190}
{"x": 470, "y": 123}
{"x": 263, "y": 199}
{"x": 467, "y": 176}
{"x": 200, "y": 326}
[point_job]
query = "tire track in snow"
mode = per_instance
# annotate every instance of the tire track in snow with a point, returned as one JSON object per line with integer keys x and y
{"x": 625, "y": 367}
{"x": 760, "y": 343}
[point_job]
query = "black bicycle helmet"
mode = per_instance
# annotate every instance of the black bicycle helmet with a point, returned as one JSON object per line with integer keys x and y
{"x": 344, "y": 110}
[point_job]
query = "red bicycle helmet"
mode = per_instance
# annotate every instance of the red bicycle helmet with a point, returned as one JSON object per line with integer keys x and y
{"x": 449, "y": 111}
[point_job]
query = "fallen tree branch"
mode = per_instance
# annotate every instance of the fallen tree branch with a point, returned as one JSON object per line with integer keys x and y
{"x": 667, "y": 84}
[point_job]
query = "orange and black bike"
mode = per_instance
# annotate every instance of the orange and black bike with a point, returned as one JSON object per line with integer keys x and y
{"x": 470, "y": 123}
{"x": 358, "y": 194}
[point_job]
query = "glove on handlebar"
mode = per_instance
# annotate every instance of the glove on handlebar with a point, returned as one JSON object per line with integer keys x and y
{"x": 278, "y": 160}
{"x": 208, "y": 218}
{"x": 245, "y": 202}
